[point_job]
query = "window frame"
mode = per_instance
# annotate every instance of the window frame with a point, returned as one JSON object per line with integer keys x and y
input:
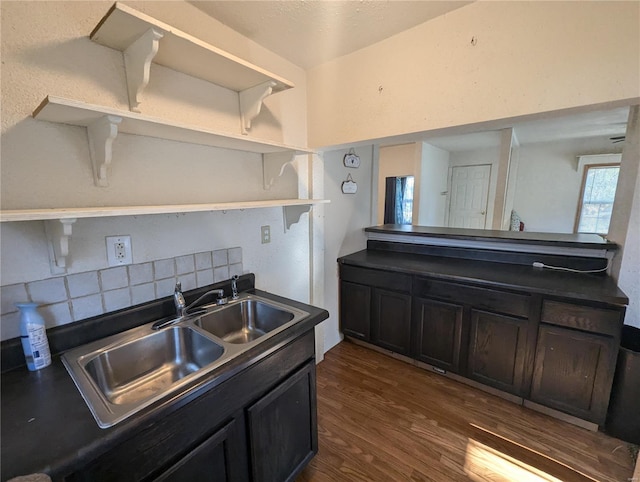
{"x": 582, "y": 187}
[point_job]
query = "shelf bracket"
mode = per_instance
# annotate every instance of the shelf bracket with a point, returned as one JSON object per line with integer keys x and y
{"x": 137, "y": 64}
{"x": 251, "y": 102}
{"x": 292, "y": 214}
{"x": 273, "y": 165}
{"x": 101, "y": 134}
{"x": 58, "y": 233}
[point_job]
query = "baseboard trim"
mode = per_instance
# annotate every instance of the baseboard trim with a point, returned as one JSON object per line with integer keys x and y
{"x": 561, "y": 416}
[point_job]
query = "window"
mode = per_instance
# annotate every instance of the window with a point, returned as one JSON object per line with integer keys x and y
{"x": 398, "y": 203}
{"x": 596, "y": 199}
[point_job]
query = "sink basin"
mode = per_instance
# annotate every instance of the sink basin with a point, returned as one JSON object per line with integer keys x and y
{"x": 119, "y": 375}
{"x": 122, "y": 374}
{"x": 143, "y": 367}
{"x": 247, "y": 320}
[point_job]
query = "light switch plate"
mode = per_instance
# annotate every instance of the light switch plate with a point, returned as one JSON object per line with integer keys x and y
{"x": 265, "y": 234}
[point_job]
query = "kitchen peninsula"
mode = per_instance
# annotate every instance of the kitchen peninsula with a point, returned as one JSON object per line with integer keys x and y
{"x": 471, "y": 305}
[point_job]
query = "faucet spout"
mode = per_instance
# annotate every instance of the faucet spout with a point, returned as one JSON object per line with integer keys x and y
{"x": 178, "y": 300}
{"x": 182, "y": 310}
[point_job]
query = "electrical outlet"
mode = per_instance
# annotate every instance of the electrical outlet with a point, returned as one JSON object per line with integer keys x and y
{"x": 265, "y": 234}
{"x": 119, "y": 250}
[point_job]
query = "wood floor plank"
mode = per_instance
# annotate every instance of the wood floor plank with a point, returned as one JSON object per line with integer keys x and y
{"x": 381, "y": 419}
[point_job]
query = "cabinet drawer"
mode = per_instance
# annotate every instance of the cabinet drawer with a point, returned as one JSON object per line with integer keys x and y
{"x": 585, "y": 318}
{"x": 481, "y": 298}
{"x": 376, "y": 278}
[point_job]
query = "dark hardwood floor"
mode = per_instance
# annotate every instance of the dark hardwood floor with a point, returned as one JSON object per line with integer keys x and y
{"x": 381, "y": 419}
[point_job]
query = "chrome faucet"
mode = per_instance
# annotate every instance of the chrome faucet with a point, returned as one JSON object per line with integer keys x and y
{"x": 178, "y": 300}
{"x": 182, "y": 310}
{"x": 234, "y": 287}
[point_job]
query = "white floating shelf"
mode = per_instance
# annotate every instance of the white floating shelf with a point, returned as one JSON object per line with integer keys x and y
{"x": 143, "y": 40}
{"x": 104, "y": 123}
{"x": 114, "y": 211}
{"x": 59, "y": 222}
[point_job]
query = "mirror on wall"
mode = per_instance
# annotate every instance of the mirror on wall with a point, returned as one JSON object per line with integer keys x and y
{"x": 536, "y": 182}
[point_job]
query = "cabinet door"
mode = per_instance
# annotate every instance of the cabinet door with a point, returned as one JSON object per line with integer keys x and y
{"x": 437, "y": 331}
{"x": 391, "y": 327}
{"x": 355, "y": 310}
{"x": 219, "y": 458}
{"x": 572, "y": 372}
{"x": 497, "y": 349}
{"x": 283, "y": 435}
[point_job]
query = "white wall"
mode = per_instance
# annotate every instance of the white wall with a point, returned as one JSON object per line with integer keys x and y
{"x": 431, "y": 182}
{"x": 548, "y": 183}
{"x": 399, "y": 160}
{"x": 46, "y": 51}
{"x": 345, "y": 219}
{"x": 433, "y": 77}
{"x": 625, "y": 220}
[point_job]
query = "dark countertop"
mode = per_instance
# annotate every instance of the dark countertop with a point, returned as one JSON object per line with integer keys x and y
{"x": 47, "y": 427}
{"x": 583, "y": 241}
{"x": 589, "y": 287}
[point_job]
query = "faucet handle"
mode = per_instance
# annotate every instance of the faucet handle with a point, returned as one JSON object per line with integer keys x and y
{"x": 178, "y": 287}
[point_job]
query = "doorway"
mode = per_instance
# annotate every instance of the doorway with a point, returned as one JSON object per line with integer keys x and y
{"x": 469, "y": 196}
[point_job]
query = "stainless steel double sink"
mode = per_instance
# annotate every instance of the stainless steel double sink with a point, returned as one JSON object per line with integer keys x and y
{"x": 124, "y": 373}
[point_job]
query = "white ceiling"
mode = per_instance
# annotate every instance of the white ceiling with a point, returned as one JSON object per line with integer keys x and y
{"x": 310, "y": 32}
{"x": 597, "y": 124}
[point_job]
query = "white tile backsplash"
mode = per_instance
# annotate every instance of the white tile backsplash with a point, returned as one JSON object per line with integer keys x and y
{"x": 57, "y": 314}
{"x": 235, "y": 255}
{"x": 165, "y": 287}
{"x": 164, "y": 268}
{"x": 235, "y": 269}
{"x": 10, "y": 325}
{"x": 116, "y": 299}
{"x": 203, "y": 260}
{"x": 83, "y": 295}
{"x": 204, "y": 277}
{"x": 185, "y": 265}
{"x": 140, "y": 273}
{"x": 220, "y": 258}
{"x": 142, "y": 293}
{"x": 86, "y": 307}
{"x": 47, "y": 291}
{"x": 12, "y": 294}
{"x": 83, "y": 284}
{"x": 114, "y": 278}
{"x": 188, "y": 281}
{"x": 220, "y": 273}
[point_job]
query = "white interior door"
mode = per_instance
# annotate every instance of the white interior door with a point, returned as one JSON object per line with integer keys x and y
{"x": 469, "y": 195}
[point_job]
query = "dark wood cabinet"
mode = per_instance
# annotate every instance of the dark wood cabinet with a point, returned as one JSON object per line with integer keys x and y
{"x": 282, "y": 429}
{"x": 540, "y": 350}
{"x": 497, "y": 349}
{"x": 355, "y": 310}
{"x": 391, "y": 321}
{"x": 437, "y": 333}
{"x": 573, "y": 372}
{"x": 375, "y": 306}
{"x": 477, "y": 332}
{"x": 575, "y": 358}
{"x": 221, "y": 457}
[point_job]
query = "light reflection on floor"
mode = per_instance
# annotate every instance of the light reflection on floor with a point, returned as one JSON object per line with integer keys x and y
{"x": 486, "y": 460}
